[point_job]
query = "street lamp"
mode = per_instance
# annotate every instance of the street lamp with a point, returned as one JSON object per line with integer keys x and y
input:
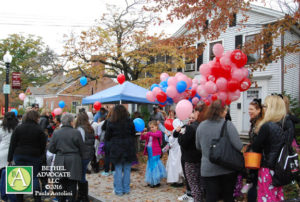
{"x": 7, "y": 58}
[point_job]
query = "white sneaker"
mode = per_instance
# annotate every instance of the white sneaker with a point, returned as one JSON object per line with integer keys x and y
{"x": 185, "y": 197}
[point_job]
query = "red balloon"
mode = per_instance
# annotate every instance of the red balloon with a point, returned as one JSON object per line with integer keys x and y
{"x": 193, "y": 93}
{"x": 121, "y": 78}
{"x": 228, "y": 102}
{"x": 169, "y": 124}
{"x": 161, "y": 105}
{"x": 232, "y": 85}
{"x": 207, "y": 102}
{"x": 53, "y": 115}
{"x": 238, "y": 58}
{"x": 216, "y": 69}
{"x": 214, "y": 97}
{"x": 97, "y": 106}
{"x": 161, "y": 97}
{"x": 245, "y": 84}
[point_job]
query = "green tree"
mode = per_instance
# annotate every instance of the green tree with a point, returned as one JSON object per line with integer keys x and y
{"x": 31, "y": 57}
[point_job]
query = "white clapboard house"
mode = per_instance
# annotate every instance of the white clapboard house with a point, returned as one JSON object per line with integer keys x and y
{"x": 281, "y": 74}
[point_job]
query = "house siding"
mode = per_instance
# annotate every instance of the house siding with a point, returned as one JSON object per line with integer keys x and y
{"x": 291, "y": 68}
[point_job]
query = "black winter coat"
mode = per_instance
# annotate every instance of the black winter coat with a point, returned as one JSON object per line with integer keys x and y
{"x": 122, "y": 140}
{"x": 187, "y": 142}
{"x": 28, "y": 139}
{"x": 269, "y": 142}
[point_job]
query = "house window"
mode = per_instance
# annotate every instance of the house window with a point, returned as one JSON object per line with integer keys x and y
{"x": 200, "y": 57}
{"x": 253, "y": 57}
{"x": 189, "y": 67}
{"x": 52, "y": 105}
{"x": 211, "y": 45}
{"x": 251, "y": 94}
{"x": 232, "y": 22}
{"x": 74, "y": 105}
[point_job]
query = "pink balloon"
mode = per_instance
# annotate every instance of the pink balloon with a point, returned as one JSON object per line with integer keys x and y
{"x": 195, "y": 81}
{"x": 225, "y": 61}
{"x": 222, "y": 96}
{"x": 203, "y": 80}
{"x": 245, "y": 72}
{"x": 211, "y": 78}
{"x": 201, "y": 91}
{"x": 57, "y": 111}
{"x": 172, "y": 81}
{"x": 194, "y": 86}
{"x": 184, "y": 109}
{"x": 227, "y": 54}
{"x": 195, "y": 100}
{"x": 182, "y": 77}
{"x": 221, "y": 84}
{"x": 237, "y": 73}
{"x": 176, "y": 99}
{"x": 218, "y": 50}
{"x": 189, "y": 82}
{"x": 150, "y": 96}
{"x": 171, "y": 91}
{"x": 22, "y": 96}
{"x": 156, "y": 90}
{"x": 210, "y": 87}
{"x": 178, "y": 74}
{"x": 233, "y": 96}
{"x": 164, "y": 76}
{"x": 205, "y": 69}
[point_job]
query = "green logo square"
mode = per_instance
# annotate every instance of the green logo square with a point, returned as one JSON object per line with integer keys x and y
{"x": 19, "y": 179}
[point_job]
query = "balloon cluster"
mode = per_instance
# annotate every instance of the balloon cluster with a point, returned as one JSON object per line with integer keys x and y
{"x": 224, "y": 78}
{"x": 172, "y": 89}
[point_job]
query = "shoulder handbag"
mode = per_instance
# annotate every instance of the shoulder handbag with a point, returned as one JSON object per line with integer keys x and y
{"x": 224, "y": 154}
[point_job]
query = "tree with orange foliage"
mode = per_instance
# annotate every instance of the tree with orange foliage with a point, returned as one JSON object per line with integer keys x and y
{"x": 221, "y": 12}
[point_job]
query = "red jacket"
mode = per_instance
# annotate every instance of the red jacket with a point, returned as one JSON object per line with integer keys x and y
{"x": 156, "y": 142}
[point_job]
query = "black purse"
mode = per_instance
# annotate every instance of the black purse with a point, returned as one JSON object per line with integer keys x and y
{"x": 224, "y": 154}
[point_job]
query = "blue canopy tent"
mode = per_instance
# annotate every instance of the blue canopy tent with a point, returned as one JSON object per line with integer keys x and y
{"x": 125, "y": 93}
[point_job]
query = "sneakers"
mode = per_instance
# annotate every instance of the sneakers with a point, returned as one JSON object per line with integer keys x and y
{"x": 112, "y": 172}
{"x": 185, "y": 197}
{"x": 105, "y": 174}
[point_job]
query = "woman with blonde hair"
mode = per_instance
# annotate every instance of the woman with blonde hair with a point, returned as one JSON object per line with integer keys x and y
{"x": 269, "y": 142}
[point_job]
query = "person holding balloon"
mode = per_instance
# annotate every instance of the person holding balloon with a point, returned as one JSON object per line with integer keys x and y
{"x": 191, "y": 157}
{"x": 155, "y": 170}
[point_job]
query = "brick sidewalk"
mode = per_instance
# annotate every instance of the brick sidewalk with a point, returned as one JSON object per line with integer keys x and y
{"x": 102, "y": 187}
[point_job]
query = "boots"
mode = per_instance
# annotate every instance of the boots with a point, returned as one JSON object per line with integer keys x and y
{"x": 83, "y": 190}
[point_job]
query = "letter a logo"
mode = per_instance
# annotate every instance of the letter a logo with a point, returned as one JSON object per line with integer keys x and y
{"x": 19, "y": 179}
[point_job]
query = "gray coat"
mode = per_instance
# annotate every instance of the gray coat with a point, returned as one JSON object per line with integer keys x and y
{"x": 206, "y": 131}
{"x": 68, "y": 146}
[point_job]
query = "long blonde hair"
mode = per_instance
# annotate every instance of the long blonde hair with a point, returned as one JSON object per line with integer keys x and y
{"x": 275, "y": 110}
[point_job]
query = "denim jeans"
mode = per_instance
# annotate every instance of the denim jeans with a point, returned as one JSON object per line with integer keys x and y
{"x": 36, "y": 162}
{"x": 107, "y": 162}
{"x": 85, "y": 163}
{"x": 122, "y": 178}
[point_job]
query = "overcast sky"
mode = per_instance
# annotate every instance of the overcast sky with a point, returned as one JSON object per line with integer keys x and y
{"x": 51, "y": 19}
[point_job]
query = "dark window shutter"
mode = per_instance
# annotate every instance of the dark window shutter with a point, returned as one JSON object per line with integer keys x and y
{"x": 199, "y": 61}
{"x": 200, "y": 57}
{"x": 268, "y": 48}
{"x": 206, "y": 25}
{"x": 238, "y": 41}
{"x": 232, "y": 22}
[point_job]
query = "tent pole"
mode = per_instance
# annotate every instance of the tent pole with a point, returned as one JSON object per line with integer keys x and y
{"x": 120, "y": 102}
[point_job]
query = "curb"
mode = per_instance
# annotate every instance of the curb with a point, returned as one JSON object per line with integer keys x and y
{"x": 94, "y": 198}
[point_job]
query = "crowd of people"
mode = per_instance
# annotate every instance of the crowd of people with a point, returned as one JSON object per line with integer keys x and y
{"x": 75, "y": 142}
